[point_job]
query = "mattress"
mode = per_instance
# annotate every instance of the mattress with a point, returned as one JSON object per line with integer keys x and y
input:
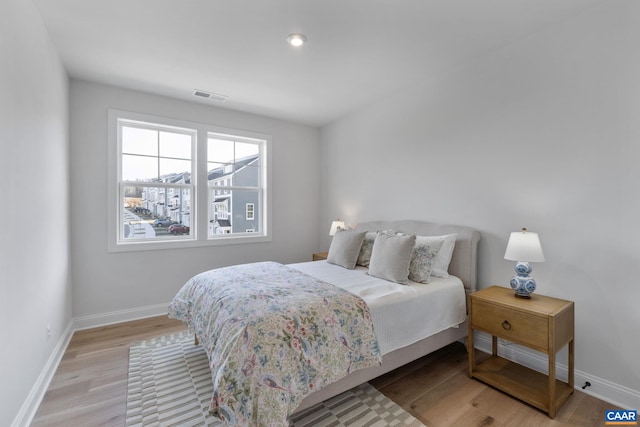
{"x": 402, "y": 314}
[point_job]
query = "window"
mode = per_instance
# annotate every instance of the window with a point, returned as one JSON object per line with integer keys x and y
{"x": 234, "y": 165}
{"x": 180, "y": 184}
{"x": 155, "y": 170}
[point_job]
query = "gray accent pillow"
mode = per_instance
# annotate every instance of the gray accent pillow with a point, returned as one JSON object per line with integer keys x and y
{"x": 391, "y": 256}
{"x": 345, "y": 248}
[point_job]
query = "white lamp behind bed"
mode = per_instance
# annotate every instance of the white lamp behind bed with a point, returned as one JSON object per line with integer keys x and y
{"x": 335, "y": 226}
{"x": 523, "y": 247}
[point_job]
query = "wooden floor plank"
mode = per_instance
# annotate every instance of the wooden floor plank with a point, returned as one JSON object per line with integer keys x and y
{"x": 443, "y": 405}
{"x": 90, "y": 386}
{"x": 411, "y": 387}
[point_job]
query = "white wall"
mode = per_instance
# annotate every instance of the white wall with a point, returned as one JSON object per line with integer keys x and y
{"x": 111, "y": 282}
{"x": 35, "y": 289}
{"x": 543, "y": 133}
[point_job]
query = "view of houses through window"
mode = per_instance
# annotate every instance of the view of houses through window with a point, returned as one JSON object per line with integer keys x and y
{"x": 158, "y": 189}
{"x": 234, "y": 181}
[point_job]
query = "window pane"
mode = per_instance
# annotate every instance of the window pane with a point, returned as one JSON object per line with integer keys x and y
{"x": 139, "y": 168}
{"x": 220, "y": 150}
{"x": 175, "y": 145}
{"x": 175, "y": 171}
{"x": 228, "y": 213}
{"x": 139, "y": 141}
{"x": 154, "y": 213}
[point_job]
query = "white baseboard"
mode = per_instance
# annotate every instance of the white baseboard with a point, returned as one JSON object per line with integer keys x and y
{"x": 32, "y": 403}
{"x": 607, "y": 391}
{"x": 104, "y": 319}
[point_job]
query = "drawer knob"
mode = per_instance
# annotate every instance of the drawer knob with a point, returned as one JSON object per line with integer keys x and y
{"x": 506, "y": 325}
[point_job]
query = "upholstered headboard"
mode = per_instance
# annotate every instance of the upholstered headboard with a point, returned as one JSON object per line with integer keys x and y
{"x": 464, "y": 260}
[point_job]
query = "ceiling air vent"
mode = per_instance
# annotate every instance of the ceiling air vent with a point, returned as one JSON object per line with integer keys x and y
{"x": 209, "y": 95}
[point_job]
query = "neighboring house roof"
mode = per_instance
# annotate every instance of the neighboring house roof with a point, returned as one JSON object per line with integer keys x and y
{"x": 174, "y": 178}
{"x": 213, "y": 174}
{"x": 184, "y": 176}
{"x": 219, "y": 172}
{"x": 223, "y": 222}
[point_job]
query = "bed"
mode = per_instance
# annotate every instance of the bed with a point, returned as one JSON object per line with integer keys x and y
{"x": 366, "y": 343}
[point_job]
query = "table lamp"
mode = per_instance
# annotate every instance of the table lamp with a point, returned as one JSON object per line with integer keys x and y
{"x": 335, "y": 226}
{"x": 523, "y": 247}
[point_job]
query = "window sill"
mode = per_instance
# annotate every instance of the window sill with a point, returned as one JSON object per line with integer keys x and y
{"x": 187, "y": 243}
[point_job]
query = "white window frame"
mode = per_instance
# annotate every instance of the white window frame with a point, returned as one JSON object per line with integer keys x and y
{"x": 199, "y": 194}
{"x": 251, "y": 210}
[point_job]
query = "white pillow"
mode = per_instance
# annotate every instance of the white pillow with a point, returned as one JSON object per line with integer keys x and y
{"x": 440, "y": 263}
{"x": 425, "y": 251}
{"x": 391, "y": 256}
{"x": 345, "y": 248}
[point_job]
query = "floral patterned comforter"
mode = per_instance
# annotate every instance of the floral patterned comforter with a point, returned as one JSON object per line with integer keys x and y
{"x": 273, "y": 335}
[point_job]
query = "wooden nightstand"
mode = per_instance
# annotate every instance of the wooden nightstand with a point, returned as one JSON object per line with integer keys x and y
{"x": 542, "y": 323}
{"x": 319, "y": 256}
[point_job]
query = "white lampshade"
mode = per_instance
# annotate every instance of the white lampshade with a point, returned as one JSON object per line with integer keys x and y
{"x": 524, "y": 246}
{"x": 335, "y": 225}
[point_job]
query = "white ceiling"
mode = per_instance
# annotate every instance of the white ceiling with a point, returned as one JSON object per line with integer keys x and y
{"x": 358, "y": 51}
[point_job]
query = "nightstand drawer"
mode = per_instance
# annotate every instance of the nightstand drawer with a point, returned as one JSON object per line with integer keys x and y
{"x": 516, "y": 326}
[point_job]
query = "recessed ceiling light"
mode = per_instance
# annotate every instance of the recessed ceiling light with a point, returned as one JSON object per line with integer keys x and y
{"x": 296, "y": 39}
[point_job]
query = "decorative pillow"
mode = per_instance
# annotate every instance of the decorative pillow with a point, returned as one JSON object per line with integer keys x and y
{"x": 345, "y": 248}
{"x": 390, "y": 257}
{"x": 422, "y": 257}
{"x": 440, "y": 263}
{"x": 365, "y": 250}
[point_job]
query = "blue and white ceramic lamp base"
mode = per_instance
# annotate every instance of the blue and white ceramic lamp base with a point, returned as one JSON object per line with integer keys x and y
{"x": 522, "y": 283}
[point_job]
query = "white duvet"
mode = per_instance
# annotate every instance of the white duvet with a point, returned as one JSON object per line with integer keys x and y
{"x": 402, "y": 314}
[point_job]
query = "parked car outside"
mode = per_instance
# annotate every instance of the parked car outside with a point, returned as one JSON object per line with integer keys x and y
{"x": 163, "y": 222}
{"x": 179, "y": 229}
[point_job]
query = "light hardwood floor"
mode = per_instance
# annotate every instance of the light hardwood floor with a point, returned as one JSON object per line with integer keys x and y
{"x": 90, "y": 386}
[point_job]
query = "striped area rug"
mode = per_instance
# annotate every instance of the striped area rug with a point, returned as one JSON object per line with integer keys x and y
{"x": 170, "y": 385}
